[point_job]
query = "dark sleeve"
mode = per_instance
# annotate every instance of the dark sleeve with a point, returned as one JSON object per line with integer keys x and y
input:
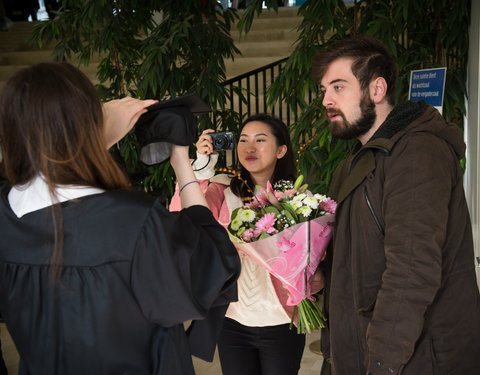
{"x": 184, "y": 266}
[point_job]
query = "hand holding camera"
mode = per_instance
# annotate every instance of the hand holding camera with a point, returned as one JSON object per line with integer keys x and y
{"x": 210, "y": 141}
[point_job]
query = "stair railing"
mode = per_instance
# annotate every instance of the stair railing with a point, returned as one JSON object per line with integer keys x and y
{"x": 247, "y": 93}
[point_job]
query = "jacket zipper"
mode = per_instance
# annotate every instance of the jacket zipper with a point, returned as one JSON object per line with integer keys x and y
{"x": 372, "y": 211}
{"x": 352, "y": 162}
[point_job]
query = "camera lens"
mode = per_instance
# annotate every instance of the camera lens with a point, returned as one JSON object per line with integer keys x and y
{"x": 220, "y": 142}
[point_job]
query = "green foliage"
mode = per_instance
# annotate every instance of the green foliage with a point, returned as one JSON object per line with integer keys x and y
{"x": 162, "y": 49}
{"x": 254, "y": 8}
{"x": 419, "y": 35}
{"x": 147, "y": 49}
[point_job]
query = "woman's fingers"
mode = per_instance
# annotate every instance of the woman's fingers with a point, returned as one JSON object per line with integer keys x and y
{"x": 204, "y": 143}
{"x": 120, "y": 115}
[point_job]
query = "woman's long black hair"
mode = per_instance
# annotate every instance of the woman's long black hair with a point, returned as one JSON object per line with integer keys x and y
{"x": 244, "y": 186}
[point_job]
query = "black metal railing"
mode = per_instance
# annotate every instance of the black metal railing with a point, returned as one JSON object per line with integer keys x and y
{"x": 247, "y": 93}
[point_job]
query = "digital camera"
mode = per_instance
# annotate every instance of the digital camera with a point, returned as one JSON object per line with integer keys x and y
{"x": 222, "y": 141}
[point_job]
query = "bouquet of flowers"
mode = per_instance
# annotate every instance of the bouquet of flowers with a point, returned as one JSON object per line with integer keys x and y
{"x": 285, "y": 229}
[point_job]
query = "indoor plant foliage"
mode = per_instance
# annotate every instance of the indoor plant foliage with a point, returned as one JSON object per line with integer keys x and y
{"x": 147, "y": 49}
{"x": 167, "y": 48}
{"x": 416, "y": 35}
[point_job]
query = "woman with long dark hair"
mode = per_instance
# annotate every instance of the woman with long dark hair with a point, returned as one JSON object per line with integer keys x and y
{"x": 94, "y": 278}
{"x": 255, "y": 337}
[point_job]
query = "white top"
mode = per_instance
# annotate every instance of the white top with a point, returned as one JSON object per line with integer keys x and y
{"x": 35, "y": 195}
{"x": 258, "y": 304}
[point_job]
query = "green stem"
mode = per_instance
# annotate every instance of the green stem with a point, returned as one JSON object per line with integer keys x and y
{"x": 293, "y": 316}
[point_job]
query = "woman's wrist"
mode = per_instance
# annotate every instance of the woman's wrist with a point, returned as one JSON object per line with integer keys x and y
{"x": 204, "y": 166}
{"x": 187, "y": 184}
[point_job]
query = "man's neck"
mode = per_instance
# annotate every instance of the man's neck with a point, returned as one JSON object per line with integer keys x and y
{"x": 382, "y": 111}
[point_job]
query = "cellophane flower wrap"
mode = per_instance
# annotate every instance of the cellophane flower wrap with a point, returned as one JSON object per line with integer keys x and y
{"x": 285, "y": 229}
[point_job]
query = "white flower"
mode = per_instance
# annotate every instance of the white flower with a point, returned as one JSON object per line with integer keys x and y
{"x": 236, "y": 223}
{"x": 305, "y": 211}
{"x": 311, "y": 202}
{"x": 246, "y": 215}
{"x": 299, "y": 197}
{"x": 295, "y": 204}
{"x": 320, "y": 197}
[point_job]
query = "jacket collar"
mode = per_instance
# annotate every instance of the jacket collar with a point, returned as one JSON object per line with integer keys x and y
{"x": 398, "y": 119}
{"x": 353, "y": 170}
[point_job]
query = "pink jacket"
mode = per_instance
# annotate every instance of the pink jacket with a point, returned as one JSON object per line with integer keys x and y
{"x": 214, "y": 194}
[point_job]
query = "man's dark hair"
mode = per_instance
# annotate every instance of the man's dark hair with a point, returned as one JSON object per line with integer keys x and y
{"x": 371, "y": 59}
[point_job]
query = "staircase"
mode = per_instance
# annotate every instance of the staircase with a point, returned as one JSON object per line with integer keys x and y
{"x": 271, "y": 38}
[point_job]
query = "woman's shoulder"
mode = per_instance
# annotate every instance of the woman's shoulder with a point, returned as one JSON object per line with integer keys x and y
{"x": 221, "y": 179}
{"x": 131, "y": 197}
{"x": 121, "y": 199}
{"x": 119, "y": 204}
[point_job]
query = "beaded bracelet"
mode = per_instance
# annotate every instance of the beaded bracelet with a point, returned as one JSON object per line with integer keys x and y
{"x": 188, "y": 183}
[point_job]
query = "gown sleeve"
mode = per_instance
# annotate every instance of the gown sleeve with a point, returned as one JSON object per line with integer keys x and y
{"x": 185, "y": 268}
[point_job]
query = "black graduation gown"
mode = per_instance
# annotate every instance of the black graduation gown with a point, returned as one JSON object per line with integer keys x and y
{"x": 132, "y": 273}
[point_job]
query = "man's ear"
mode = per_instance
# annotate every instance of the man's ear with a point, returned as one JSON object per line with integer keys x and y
{"x": 378, "y": 89}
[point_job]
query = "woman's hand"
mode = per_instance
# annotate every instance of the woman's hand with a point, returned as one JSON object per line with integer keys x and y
{"x": 317, "y": 281}
{"x": 204, "y": 144}
{"x": 120, "y": 115}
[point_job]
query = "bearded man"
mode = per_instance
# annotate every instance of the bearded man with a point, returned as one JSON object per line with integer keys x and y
{"x": 401, "y": 292}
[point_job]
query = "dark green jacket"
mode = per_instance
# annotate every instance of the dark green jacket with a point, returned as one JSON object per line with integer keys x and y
{"x": 401, "y": 286}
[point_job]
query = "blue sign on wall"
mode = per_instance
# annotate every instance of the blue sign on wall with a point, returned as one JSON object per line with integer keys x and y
{"x": 428, "y": 85}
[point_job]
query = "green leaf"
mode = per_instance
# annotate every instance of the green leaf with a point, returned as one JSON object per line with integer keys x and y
{"x": 289, "y": 212}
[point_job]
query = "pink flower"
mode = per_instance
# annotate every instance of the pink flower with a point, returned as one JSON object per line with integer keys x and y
{"x": 256, "y": 203}
{"x": 287, "y": 193}
{"x": 328, "y": 205}
{"x": 265, "y": 224}
{"x": 247, "y": 235}
{"x": 268, "y": 195}
{"x": 284, "y": 244}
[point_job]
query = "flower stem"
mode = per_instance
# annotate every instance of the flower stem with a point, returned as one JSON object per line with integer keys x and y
{"x": 309, "y": 317}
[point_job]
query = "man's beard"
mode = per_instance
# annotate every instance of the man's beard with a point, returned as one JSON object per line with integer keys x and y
{"x": 359, "y": 127}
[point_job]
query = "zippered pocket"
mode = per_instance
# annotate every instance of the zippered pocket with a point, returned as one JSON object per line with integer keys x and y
{"x": 372, "y": 211}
